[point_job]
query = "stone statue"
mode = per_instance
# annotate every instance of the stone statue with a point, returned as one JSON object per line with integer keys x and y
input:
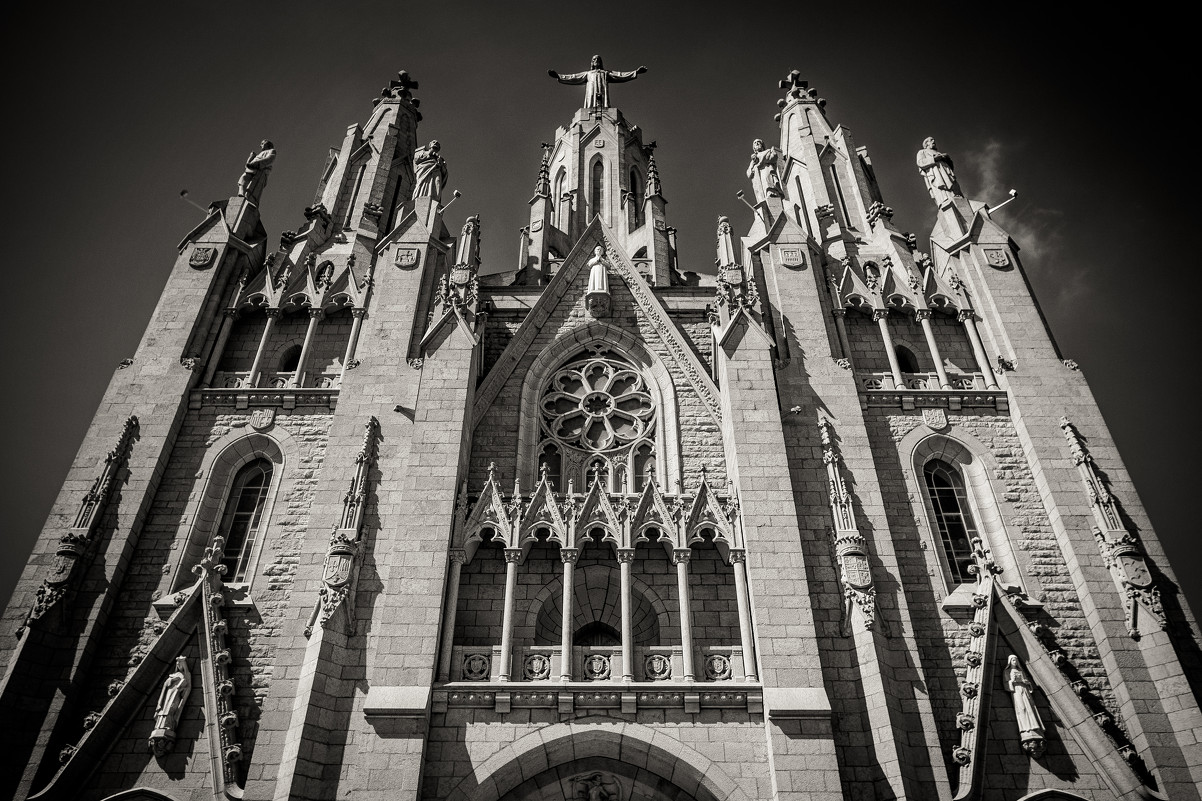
{"x": 937, "y": 171}
{"x": 596, "y": 81}
{"x": 172, "y": 697}
{"x": 1030, "y": 727}
{"x": 429, "y": 171}
{"x": 764, "y": 162}
{"x": 254, "y": 177}
{"x": 596, "y": 297}
{"x": 595, "y": 787}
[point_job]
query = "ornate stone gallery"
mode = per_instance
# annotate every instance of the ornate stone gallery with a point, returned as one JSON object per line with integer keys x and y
{"x": 363, "y": 518}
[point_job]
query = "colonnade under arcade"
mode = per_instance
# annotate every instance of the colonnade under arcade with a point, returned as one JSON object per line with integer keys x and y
{"x": 882, "y": 290}
{"x": 621, "y": 523}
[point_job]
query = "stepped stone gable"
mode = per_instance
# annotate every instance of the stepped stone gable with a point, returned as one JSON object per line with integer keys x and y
{"x": 836, "y": 522}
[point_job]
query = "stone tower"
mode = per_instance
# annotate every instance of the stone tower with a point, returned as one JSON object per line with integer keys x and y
{"x": 839, "y": 522}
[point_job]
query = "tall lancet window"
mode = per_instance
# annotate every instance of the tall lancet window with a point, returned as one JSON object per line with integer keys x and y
{"x": 635, "y": 199}
{"x": 953, "y": 517}
{"x": 563, "y": 205}
{"x": 243, "y": 520}
{"x": 595, "y": 189}
{"x": 598, "y": 418}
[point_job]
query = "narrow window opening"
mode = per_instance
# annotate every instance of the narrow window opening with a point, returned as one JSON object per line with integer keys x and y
{"x": 596, "y": 634}
{"x": 551, "y": 459}
{"x": 839, "y": 195}
{"x": 595, "y": 188}
{"x": 562, "y": 204}
{"x": 243, "y": 519}
{"x": 291, "y": 359}
{"x": 953, "y": 518}
{"x": 906, "y": 359}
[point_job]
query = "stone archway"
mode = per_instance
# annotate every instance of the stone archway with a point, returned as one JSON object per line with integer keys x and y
{"x": 638, "y": 757}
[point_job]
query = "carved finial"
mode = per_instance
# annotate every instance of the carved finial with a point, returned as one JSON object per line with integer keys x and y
{"x": 542, "y": 187}
{"x": 401, "y": 88}
{"x": 492, "y": 471}
{"x": 653, "y": 184}
{"x": 542, "y": 473}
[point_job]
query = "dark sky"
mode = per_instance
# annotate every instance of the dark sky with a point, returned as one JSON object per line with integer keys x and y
{"x": 114, "y": 108}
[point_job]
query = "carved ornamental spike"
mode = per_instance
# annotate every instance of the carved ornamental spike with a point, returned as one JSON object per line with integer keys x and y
{"x": 1120, "y": 548}
{"x": 213, "y": 629}
{"x": 74, "y": 544}
{"x": 735, "y": 287}
{"x": 460, "y": 289}
{"x": 851, "y": 549}
{"x": 977, "y": 661}
{"x": 341, "y": 565}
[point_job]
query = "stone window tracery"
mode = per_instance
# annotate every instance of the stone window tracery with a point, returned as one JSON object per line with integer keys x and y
{"x": 598, "y": 420}
{"x": 953, "y": 517}
{"x": 243, "y": 518}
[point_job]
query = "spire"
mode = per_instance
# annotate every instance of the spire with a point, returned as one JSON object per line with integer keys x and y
{"x": 653, "y": 185}
{"x": 797, "y": 90}
{"x": 543, "y": 187}
{"x": 401, "y": 88}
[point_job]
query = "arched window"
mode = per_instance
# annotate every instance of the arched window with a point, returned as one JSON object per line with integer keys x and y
{"x": 598, "y": 415}
{"x": 906, "y": 359}
{"x": 562, "y": 206}
{"x": 242, "y": 522}
{"x": 595, "y": 188}
{"x": 290, "y": 360}
{"x": 550, "y": 457}
{"x": 635, "y": 199}
{"x": 953, "y": 517}
{"x": 596, "y": 633}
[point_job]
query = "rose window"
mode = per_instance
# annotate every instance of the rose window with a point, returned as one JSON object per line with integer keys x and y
{"x": 598, "y": 423}
{"x": 597, "y": 404}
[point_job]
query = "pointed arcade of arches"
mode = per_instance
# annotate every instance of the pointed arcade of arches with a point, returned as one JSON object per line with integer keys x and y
{"x": 557, "y": 761}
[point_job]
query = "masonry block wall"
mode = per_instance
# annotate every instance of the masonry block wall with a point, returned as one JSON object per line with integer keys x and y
{"x": 769, "y": 613}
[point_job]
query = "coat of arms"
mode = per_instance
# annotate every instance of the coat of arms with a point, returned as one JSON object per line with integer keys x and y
{"x": 792, "y": 257}
{"x": 406, "y": 257}
{"x": 536, "y": 226}
{"x": 935, "y": 418}
{"x": 201, "y": 257}
{"x": 262, "y": 418}
{"x": 997, "y": 257}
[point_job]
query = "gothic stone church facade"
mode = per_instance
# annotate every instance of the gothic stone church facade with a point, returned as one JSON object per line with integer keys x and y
{"x": 840, "y": 522}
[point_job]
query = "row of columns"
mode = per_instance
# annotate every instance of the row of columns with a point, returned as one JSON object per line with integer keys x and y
{"x": 965, "y": 316}
{"x": 569, "y": 557}
{"x": 273, "y": 314}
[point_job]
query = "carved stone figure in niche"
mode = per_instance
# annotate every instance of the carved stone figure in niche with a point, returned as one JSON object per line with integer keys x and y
{"x": 1030, "y": 727}
{"x": 596, "y": 81}
{"x": 765, "y": 163}
{"x": 596, "y": 297}
{"x": 595, "y": 787}
{"x": 938, "y": 172}
{"x": 429, "y": 171}
{"x": 254, "y": 177}
{"x": 172, "y": 698}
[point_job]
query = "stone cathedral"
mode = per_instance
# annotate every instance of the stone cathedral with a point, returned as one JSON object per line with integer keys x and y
{"x": 362, "y": 518}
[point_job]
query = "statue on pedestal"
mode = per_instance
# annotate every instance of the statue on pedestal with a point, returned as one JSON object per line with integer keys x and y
{"x": 764, "y": 163}
{"x": 596, "y": 81}
{"x": 596, "y": 297}
{"x": 429, "y": 171}
{"x": 172, "y": 697}
{"x": 938, "y": 172}
{"x": 1030, "y": 727}
{"x": 254, "y": 177}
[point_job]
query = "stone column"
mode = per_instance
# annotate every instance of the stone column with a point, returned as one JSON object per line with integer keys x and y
{"x": 569, "y": 557}
{"x": 738, "y": 559}
{"x": 625, "y": 560}
{"x": 223, "y": 337}
{"x": 680, "y": 558}
{"x": 298, "y": 380}
{"x": 458, "y": 557}
{"x": 881, "y": 318}
{"x": 967, "y": 317}
{"x": 357, "y": 315}
{"x": 512, "y": 557}
{"x": 841, "y": 327}
{"x": 924, "y": 319}
{"x": 252, "y": 379}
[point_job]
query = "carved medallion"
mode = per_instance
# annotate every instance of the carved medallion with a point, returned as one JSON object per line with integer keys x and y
{"x": 935, "y": 419}
{"x": 657, "y": 667}
{"x": 596, "y": 667}
{"x": 997, "y": 257}
{"x": 476, "y": 667}
{"x": 536, "y": 226}
{"x": 793, "y": 258}
{"x": 201, "y": 258}
{"x": 261, "y": 419}
{"x": 717, "y": 667}
{"x": 537, "y": 667}
{"x": 406, "y": 257}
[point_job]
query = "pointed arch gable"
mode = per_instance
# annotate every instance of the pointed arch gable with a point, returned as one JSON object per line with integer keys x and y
{"x": 602, "y": 738}
{"x": 215, "y": 479}
{"x": 656, "y": 373}
{"x": 959, "y": 447}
